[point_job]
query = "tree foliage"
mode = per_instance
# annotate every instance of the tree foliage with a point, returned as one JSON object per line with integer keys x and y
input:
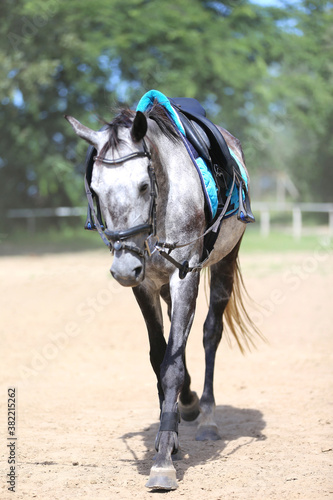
{"x": 265, "y": 73}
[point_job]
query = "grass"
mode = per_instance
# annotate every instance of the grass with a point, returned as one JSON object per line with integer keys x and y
{"x": 69, "y": 239}
{"x": 65, "y": 239}
{"x": 281, "y": 242}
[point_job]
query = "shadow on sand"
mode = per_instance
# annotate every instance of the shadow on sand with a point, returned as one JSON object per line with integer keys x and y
{"x": 233, "y": 423}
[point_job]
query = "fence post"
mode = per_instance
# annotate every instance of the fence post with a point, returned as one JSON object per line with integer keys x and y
{"x": 264, "y": 223}
{"x": 297, "y": 223}
{"x": 330, "y": 222}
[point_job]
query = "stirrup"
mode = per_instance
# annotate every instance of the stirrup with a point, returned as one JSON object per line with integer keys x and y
{"x": 244, "y": 211}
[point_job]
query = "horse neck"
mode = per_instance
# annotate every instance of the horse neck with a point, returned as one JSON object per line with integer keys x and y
{"x": 172, "y": 162}
{"x": 180, "y": 196}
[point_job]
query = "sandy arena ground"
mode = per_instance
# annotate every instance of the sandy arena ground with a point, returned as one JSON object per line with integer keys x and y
{"x": 74, "y": 345}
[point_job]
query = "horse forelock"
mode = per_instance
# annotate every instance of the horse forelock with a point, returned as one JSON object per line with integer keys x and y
{"x": 123, "y": 120}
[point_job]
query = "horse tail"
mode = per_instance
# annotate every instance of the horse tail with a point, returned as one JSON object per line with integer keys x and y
{"x": 236, "y": 317}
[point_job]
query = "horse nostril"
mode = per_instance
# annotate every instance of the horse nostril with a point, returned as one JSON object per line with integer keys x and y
{"x": 137, "y": 271}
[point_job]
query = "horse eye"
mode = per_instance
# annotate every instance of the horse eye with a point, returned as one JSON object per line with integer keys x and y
{"x": 143, "y": 187}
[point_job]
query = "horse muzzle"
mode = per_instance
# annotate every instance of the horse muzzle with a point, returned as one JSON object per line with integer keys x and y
{"x": 128, "y": 268}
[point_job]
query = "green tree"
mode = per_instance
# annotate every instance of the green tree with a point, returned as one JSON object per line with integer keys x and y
{"x": 256, "y": 69}
{"x": 295, "y": 130}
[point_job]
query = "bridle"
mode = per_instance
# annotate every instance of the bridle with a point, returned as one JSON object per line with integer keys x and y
{"x": 116, "y": 240}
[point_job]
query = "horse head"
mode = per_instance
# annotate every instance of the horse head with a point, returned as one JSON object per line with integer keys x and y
{"x": 122, "y": 181}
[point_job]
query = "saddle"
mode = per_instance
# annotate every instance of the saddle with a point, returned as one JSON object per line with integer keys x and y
{"x": 210, "y": 144}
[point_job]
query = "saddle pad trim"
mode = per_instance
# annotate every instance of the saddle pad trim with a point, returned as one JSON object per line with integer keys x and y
{"x": 234, "y": 198}
{"x": 147, "y": 101}
{"x": 207, "y": 181}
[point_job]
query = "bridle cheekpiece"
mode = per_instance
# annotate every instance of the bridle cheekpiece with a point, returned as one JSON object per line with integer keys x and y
{"x": 116, "y": 240}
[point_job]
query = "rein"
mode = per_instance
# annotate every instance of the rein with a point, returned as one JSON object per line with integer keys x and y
{"x": 115, "y": 239}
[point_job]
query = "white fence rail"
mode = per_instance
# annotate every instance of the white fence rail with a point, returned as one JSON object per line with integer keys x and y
{"x": 264, "y": 210}
{"x": 31, "y": 214}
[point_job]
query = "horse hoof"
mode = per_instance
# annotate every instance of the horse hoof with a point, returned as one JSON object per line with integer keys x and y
{"x": 162, "y": 479}
{"x": 179, "y": 455}
{"x": 175, "y": 457}
{"x": 190, "y": 412}
{"x": 207, "y": 433}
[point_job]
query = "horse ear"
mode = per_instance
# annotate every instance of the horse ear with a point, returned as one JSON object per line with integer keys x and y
{"x": 139, "y": 127}
{"x": 84, "y": 132}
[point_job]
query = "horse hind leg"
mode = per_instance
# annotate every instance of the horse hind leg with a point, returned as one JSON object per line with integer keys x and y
{"x": 188, "y": 403}
{"x": 222, "y": 278}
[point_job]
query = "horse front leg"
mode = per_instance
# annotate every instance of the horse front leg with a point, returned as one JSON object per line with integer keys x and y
{"x": 183, "y": 296}
{"x": 188, "y": 402}
{"x": 150, "y": 305}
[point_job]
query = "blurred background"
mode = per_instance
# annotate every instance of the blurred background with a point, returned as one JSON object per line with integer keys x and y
{"x": 263, "y": 69}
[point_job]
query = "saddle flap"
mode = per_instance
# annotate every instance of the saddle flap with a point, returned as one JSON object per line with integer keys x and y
{"x": 196, "y": 139}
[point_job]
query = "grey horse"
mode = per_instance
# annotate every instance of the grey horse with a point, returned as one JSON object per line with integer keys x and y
{"x": 153, "y": 207}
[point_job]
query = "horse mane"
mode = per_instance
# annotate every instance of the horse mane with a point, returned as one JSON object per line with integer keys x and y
{"x": 124, "y": 119}
{"x": 159, "y": 114}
